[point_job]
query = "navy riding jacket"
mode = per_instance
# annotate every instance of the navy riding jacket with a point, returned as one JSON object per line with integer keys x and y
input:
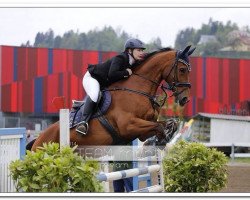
{"x": 111, "y": 70}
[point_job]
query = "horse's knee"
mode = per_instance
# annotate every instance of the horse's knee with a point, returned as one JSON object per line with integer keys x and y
{"x": 160, "y": 128}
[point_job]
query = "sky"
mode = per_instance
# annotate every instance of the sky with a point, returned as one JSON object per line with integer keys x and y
{"x": 18, "y": 25}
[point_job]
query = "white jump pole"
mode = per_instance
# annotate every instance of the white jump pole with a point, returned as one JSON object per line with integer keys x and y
{"x": 64, "y": 127}
{"x": 128, "y": 173}
{"x": 160, "y": 173}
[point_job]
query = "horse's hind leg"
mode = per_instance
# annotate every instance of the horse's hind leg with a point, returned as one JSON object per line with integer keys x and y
{"x": 51, "y": 134}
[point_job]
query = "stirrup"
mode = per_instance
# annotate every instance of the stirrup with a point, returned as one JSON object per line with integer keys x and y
{"x": 85, "y": 124}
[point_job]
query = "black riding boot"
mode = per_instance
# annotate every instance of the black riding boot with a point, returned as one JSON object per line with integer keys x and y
{"x": 87, "y": 110}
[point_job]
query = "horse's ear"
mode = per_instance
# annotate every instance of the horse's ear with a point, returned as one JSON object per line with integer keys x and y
{"x": 191, "y": 51}
{"x": 185, "y": 50}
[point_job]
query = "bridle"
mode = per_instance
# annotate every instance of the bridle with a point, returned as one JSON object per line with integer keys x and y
{"x": 172, "y": 87}
{"x": 175, "y": 83}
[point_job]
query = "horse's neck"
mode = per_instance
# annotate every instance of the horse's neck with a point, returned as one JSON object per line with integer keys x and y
{"x": 151, "y": 70}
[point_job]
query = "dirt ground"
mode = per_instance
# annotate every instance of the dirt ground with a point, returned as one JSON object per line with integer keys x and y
{"x": 238, "y": 178}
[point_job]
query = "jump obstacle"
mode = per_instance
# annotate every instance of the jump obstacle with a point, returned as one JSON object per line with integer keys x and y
{"x": 135, "y": 172}
{"x": 131, "y": 173}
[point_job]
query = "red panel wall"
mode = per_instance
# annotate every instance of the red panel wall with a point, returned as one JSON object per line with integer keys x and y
{"x": 220, "y": 80}
{"x": 7, "y": 61}
{"x": 31, "y": 63}
{"x": 196, "y": 77}
{"x": 188, "y": 108}
{"x": 22, "y": 63}
{"x": 74, "y": 87}
{"x": 66, "y": 89}
{"x": 59, "y": 60}
{"x": 42, "y": 62}
{"x": 225, "y": 81}
{"x": 217, "y": 83}
{"x": 107, "y": 55}
{"x": 77, "y": 63}
{"x": 6, "y": 98}
{"x": 14, "y": 99}
{"x": 51, "y": 90}
{"x": 20, "y": 98}
{"x": 233, "y": 81}
{"x": 27, "y": 96}
{"x": 244, "y": 83}
{"x": 212, "y": 79}
{"x": 18, "y": 81}
{"x": 89, "y": 57}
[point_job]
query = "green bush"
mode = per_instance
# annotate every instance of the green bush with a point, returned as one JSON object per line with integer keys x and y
{"x": 51, "y": 170}
{"x": 192, "y": 167}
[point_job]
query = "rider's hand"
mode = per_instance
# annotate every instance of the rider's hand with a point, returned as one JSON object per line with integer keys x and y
{"x": 129, "y": 71}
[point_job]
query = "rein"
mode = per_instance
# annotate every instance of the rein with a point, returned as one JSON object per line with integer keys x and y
{"x": 154, "y": 82}
{"x": 150, "y": 97}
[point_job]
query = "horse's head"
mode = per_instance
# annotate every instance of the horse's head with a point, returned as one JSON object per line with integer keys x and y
{"x": 177, "y": 76}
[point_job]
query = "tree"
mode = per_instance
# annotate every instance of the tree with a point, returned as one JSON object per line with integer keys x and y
{"x": 213, "y": 28}
{"x": 57, "y": 42}
{"x": 184, "y": 38}
{"x": 106, "y": 39}
{"x": 154, "y": 44}
{"x": 39, "y": 39}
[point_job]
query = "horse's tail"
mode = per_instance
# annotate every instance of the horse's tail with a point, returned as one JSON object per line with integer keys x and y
{"x": 30, "y": 144}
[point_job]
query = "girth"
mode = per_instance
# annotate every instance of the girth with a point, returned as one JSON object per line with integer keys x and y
{"x": 117, "y": 139}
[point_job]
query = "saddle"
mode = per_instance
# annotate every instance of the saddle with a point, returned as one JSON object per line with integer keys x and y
{"x": 103, "y": 104}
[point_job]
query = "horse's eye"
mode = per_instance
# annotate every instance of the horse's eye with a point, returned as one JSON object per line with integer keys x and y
{"x": 183, "y": 70}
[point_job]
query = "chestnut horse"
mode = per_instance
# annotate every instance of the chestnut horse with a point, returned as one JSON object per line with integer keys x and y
{"x": 133, "y": 112}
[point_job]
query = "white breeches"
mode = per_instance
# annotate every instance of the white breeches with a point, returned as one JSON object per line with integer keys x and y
{"x": 91, "y": 86}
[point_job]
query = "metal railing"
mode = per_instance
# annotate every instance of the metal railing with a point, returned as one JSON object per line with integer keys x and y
{"x": 233, "y": 146}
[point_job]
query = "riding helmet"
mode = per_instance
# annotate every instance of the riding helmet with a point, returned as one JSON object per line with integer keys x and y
{"x": 133, "y": 43}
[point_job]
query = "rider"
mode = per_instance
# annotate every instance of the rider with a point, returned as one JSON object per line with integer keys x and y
{"x": 102, "y": 75}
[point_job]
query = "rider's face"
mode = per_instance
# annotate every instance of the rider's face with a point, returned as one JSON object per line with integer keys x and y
{"x": 138, "y": 54}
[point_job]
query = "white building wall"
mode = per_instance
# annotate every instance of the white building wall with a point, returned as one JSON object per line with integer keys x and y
{"x": 229, "y": 131}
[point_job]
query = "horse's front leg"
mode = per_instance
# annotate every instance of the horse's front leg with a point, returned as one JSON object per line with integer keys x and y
{"x": 144, "y": 129}
{"x": 170, "y": 127}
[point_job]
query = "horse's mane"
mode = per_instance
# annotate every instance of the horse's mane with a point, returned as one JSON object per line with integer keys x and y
{"x": 157, "y": 51}
{"x": 149, "y": 55}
